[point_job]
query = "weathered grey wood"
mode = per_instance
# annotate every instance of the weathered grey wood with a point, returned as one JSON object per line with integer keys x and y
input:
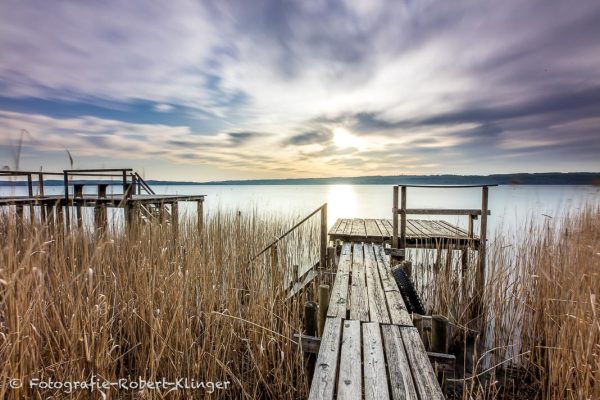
{"x": 446, "y": 211}
{"x": 308, "y": 344}
{"x": 323, "y": 250}
{"x": 439, "y": 334}
{"x": 323, "y": 306}
{"x": 402, "y": 211}
{"x": 401, "y": 381}
{"x": 377, "y": 303}
{"x": 324, "y": 378}
{"x": 398, "y": 313}
{"x": 339, "y": 295}
{"x": 442, "y": 362}
{"x": 375, "y": 375}
{"x": 310, "y": 318}
{"x": 395, "y": 218}
{"x": 350, "y": 376}
{"x": 423, "y": 375}
{"x": 359, "y": 305}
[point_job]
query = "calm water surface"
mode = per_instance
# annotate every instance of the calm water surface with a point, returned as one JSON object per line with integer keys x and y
{"x": 510, "y": 205}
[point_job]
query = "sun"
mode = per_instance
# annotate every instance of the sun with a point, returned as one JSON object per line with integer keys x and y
{"x": 342, "y": 138}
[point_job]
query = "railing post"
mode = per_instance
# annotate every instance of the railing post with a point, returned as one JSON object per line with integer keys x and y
{"x": 323, "y": 259}
{"x": 200, "y": 212}
{"x": 43, "y": 211}
{"x": 482, "y": 243}
{"x": 403, "y": 220}
{"x": 124, "y": 183}
{"x": 395, "y": 219}
{"x": 323, "y": 306}
{"x": 67, "y": 212}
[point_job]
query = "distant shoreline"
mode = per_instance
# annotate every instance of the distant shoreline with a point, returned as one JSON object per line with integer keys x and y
{"x": 550, "y": 178}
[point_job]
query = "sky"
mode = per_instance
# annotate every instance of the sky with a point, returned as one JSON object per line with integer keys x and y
{"x": 193, "y": 90}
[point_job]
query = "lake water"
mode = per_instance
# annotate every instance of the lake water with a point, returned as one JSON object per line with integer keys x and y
{"x": 510, "y": 205}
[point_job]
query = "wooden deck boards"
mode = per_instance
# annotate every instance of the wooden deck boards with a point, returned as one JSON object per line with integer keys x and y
{"x": 419, "y": 233}
{"x": 369, "y": 348}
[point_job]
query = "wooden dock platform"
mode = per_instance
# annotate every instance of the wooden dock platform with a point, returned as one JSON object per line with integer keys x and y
{"x": 369, "y": 348}
{"x": 419, "y": 232}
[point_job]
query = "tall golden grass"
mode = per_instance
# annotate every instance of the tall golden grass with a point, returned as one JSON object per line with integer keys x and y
{"x": 152, "y": 305}
{"x": 157, "y": 306}
{"x": 539, "y": 333}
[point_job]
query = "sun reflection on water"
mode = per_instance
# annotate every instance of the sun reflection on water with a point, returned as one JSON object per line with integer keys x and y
{"x": 341, "y": 203}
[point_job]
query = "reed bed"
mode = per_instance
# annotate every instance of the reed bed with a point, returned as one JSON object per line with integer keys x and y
{"x": 156, "y": 305}
{"x": 152, "y": 305}
{"x": 538, "y": 334}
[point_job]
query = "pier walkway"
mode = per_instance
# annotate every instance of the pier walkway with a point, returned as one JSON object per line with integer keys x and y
{"x": 370, "y": 348}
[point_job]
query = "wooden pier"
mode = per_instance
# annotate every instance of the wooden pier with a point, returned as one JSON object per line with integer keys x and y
{"x": 370, "y": 348}
{"x": 137, "y": 199}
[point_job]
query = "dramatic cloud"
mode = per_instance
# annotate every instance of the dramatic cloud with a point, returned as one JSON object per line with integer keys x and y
{"x": 308, "y": 88}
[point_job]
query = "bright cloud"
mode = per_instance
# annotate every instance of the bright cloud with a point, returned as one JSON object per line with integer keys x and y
{"x": 307, "y": 88}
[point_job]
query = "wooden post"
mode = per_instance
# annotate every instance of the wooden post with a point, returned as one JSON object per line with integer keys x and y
{"x": 439, "y": 334}
{"x": 323, "y": 260}
{"x": 200, "y": 212}
{"x": 395, "y": 219}
{"x": 403, "y": 220}
{"x": 100, "y": 218}
{"x": 67, "y": 223}
{"x": 482, "y": 248}
{"x": 43, "y": 209}
{"x": 175, "y": 218}
{"x": 124, "y": 183}
{"x": 30, "y": 192}
{"x": 439, "y": 342}
{"x": 310, "y": 318}
{"x": 323, "y": 306}
{"x": 41, "y": 184}
{"x": 331, "y": 258}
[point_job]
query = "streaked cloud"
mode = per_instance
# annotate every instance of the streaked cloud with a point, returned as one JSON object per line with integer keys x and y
{"x": 264, "y": 86}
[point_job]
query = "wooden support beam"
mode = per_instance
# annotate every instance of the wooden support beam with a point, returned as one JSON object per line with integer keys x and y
{"x": 323, "y": 253}
{"x": 175, "y": 218}
{"x": 200, "y": 215}
{"x": 323, "y": 306}
{"x": 395, "y": 218}
{"x": 480, "y": 280}
{"x": 402, "y": 244}
{"x": 310, "y": 318}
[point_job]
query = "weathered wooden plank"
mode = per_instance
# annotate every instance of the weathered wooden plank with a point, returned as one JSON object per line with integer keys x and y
{"x": 348, "y": 227}
{"x": 449, "y": 211}
{"x": 324, "y": 378}
{"x": 377, "y": 304}
{"x": 350, "y": 376}
{"x": 358, "y": 227}
{"x": 457, "y": 229}
{"x": 336, "y": 226}
{"x": 398, "y": 313}
{"x": 339, "y": 295}
{"x": 383, "y": 227}
{"x": 375, "y": 375}
{"x": 359, "y": 305}
{"x": 372, "y": 230}
{"x": 422, "y": 372}
{"x": 401, "y": 381}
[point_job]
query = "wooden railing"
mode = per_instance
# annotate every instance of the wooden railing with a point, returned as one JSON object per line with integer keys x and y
{"x": 399, "y": 209}
{"x": 322, "y": 241}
